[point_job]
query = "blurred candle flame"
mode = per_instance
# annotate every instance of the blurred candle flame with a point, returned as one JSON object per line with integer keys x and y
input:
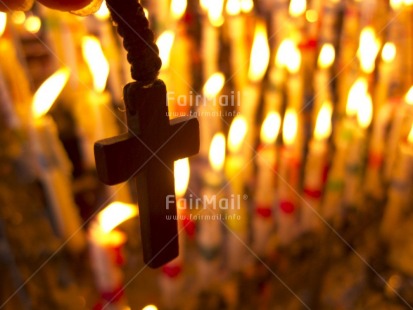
{"x": 115, "y": 214}
{"x": 96, "y": 61}
{"x": 368, "y": 49}
{"x": 18, "y": 17}
{"x": 283, "y": 53}
{"x": 357, "y": 91}
{"x": 247, "y": 6}
{"x": 33, "y": 24}
{"x": 410, "y": 136}
{"x": 48, "y": 92}
{"x": 215, "y": 8}
{"x": 388, "y": 54}
{"x": 103, "y": 12}
{"x": 311, "y": 16}
{"x": 409, "y": 96}
{"x": 3, "y": 22}
{"x": 237, "y": 133}
{"x": 322, "y": 128}
{"x": 178, "y": 8}
{"x": 260, "y": 53}
{"x": 326, "y": 57}
{"x": 365, "y": 111}
{"x": 181, "y": 174}
{"x": 290, "y": 127}
{"x": 214, "y": 85}
{"x": 396, "y": 4}
{"x": 293, "y": 62}
{"x": 233, "y": 7}
{"x": 270, "y": 128}
{"x": 150, "y": 307}
{"x": 297, "y": 7}
{"x": 217, "y": 152}
{"x": 165, "y": 42}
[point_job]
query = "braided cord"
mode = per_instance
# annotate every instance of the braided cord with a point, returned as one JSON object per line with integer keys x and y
{"x": 138, "y": 39}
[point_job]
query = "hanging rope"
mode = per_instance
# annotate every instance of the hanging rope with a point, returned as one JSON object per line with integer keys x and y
{"x": 138, "y": 40}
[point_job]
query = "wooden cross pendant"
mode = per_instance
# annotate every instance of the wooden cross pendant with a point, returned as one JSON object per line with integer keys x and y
{"x": 147, "y": 152}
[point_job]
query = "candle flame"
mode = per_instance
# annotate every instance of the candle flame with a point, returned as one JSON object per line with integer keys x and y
{"x": 214, "y": 85}
{"x": 18, "y": 17}
{"x": 293, "y": 62}
{"x": 146, "y": 12}
{"x": 396, "y": 4}
{"x": 408, "y": 2}
{"x": 181, "y": 173}
{"x": 388, "y": 54}
{"x": 96, "y": 61}
{"x": 323, "y": 124}
{"x": 33, "y": 24}
{"x": 290, "y": 126}
{"x": 47, "y": 93}
{"x": 215, "y": 8}
{"x": 165, "y": 42}
{"x": 260, "y": 53}
{"x": 284, "y": 51}
{"x": 237, "y": 133}
{"x": 178, "y": 8}
{"x": 115, "y": 214}
{"x": 368, "y": 49}
{"x": 150, "y": 307}
{"x": 409, "y": 96}
{"x": 270, "y": 128}
{"x": 357, "y": 91}
{"x": 311, "y": 16}
{"x": 217, "y": 152}
{"x": 410, "y": 136}
{"x": 233, "y": 7}
{"x": 365, "y": 111}
{"x": 327, "y": 55}
{"x": 3, "y": 22}
{"x": 297, "y": 7}
{"x": 103, "y": 12}
{"x": 247, "y": 6}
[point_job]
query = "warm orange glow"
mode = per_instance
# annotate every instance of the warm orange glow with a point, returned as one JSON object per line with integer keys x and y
{"x": 33, "y": 24}
{"x": 96, "y": 61}
{"x": 233, "y": 7}
{"x": 112, "y": 238}
{"x": 178, "y": 8}
{"x": 396, "y": 4}
{"x": 270, "y": 128}
{"x": 214, "y": 85}
{"x": 290, "y": 127}
{"x": 356, "y": 93}
{"x": 237, "y": 133}
{"x": 365, "y": 111}
{"x": 369, "y": 47}
{"x": 146, "y": 12}
{"x": 165, "y": 42}
{"x": 260, "y": 53}
{"x": 322, "y": 128}
{"x": 3, "y": 22}
{"x": 217, "y": 152}
{"x": 311, "y": 16}
{"x": 409, "y": 96}
{"x": 293, "y": 61}
{"x": 150, "y": 307}
{"x": 103, "y": 12}
{"x": 326, "y": 57}
{"x": 181, "y": 174}
{"x": 18, "y": 17}
{"x": 408, "y": 2}
{"x": 283, "y": 53}
{"x": 215, "y": 8}
{"x": 410, "y": 136}
{"x": 47, "y": 93}
{"x": 247, "y": 6}
{"x": 115, "y": 214}
{"x": 297, "y": 7}
{"x": 388, "y": 54}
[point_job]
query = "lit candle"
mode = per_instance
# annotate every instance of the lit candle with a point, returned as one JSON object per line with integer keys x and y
{"x": 264, "y": 200}
{"x": 53, "y": 165}
{"x": 369, "y": 46}
{"x": 316, "y": 165}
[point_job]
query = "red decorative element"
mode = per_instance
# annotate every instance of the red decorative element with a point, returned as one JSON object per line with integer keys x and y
{"x": 375, "y": 160}
{"x": 118, "y": 258}
{"x": 172, "y": 270}
{"x": 189, "y": 227}
{"x": 287, "y": 207}
{"x": 112, "y": 296}
{"x": 325, "y": 173}
{"x": 264, "y": 211}
{"x": 309, "y": 44}
{"x": 313, "y": 193}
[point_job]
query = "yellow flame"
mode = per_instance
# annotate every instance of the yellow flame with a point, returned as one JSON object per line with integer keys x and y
{"x": 217, "y": 152}
{"x": 260, "y": 53}
{"x": 115, "y": 214}
{"x": 18, "y": 17}
{"x": 103, "y": 12}
{"x": 409, "y": 96}
{"x": 388, "y": 54}
{"x": 181, "y": 173}
{"x": 357, "y": 91}
{"x": 237, "y": 133}
{"x": 3, "y": 22}
{"x": 297, "y": 7}
{"x": 311, "y": 16}
{"x": 247, "y": 6}
{"x": 327, "y": 55}
{"x": 215, "y": 8}
{"x": 213, "y": 85}
{"x": 150, "y": 307}
{"x": 178, "y": 8}
{"x": 233, "y": 7}
{"x": 410, "y": 136}
{"x": 283, "y": 53}
{"x": 365, "y": 111}
{"x": 322, "y": 128}
{"x": 408, "y": 2}
{"x": 165, "y": 42}
{"x": 293, "y": 61}
{"x": 290, "y": 126}
{"x": 33, "y": 24}
{"x": 396, "y": 4}
{"x": 270, "y": 128}
{"x": 146, "y": 12}
{"x": 368, "y": 49}
{"x": 47, "y": 93}
{"x": 96, "y": 61}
